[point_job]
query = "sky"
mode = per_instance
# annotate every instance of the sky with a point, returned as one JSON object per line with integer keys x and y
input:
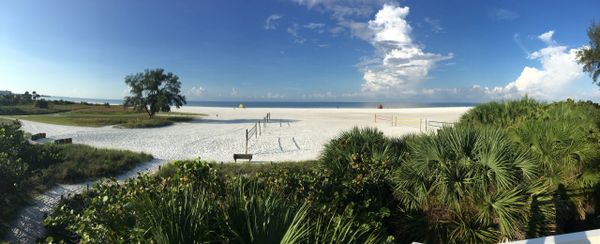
{"x": 301, "y": 50}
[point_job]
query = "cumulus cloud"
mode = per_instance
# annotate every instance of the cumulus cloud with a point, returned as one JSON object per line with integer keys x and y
{"x": 196, "y": 91}
{"x": 400, "y": 61}
{"x": 559, "y": 69}
{"x": 547, "y": 37}
{"x": 271, "y": 21}
{"x": 555, "y": 78}
{"x": 345, "y": 12}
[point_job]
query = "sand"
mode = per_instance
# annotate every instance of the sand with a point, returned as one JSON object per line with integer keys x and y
{"x": 291, "y": 135}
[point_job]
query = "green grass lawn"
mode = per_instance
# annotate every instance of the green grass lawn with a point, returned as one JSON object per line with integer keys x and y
{"x": 95, "y": 116}
{"x": 29, "y": 109}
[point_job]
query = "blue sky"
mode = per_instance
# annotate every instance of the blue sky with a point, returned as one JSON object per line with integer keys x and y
{"x": 318, "y": 50}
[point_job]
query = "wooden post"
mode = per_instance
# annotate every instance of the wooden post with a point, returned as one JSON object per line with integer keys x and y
{"x": 375, "y": 118}
{"x": 255, "y": 132}
{"x": 259, "y": 130}
{"x": 426, "y": 125}
{"x": 395, "y": 122}
{"x": 279, "y": 124}
{"x": 420, "y": 124}
{"x": 246, "y": 141}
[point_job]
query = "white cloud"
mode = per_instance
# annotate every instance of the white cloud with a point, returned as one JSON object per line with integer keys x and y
{"x": 234, "y": 92}
{"x": 271, "y": 95}
{"x": 559, "y": 69}
{"x": 271, "y": 21}
{"x": 313, "y": 26}
{"x": 503, "y": 14}
{"x": 196, "y": 91}
{"x": 293, "y": 31}
{"x": 547, "y": 37}
{"x": 400, "y": 62}
{"x": 435, "y": 25}
{"x": 342, "y": 9}
{"x": 345, "y": 12}
{"x": 318, "y": 27}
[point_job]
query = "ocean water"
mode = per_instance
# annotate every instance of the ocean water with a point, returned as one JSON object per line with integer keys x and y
{"x": 288, "y": 104}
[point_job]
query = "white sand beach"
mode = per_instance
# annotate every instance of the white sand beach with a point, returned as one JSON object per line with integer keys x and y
{"x": 293, "y": 134}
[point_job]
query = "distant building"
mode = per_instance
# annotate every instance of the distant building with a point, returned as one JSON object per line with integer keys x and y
{"x": 2, "y": 93}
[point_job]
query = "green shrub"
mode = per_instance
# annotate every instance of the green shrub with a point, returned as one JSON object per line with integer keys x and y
{"x": 26, "y": 169}
{"x": 464, "y": 184}
{"x": 42, "y": 103}
{"x": 502, "y": 114}
{"x": 195, "y": 204}
{"x": 357, "y": 164}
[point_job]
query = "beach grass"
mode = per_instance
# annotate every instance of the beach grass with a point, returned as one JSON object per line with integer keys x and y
{"x": 97, "y": 116}
{"x": 78, "y": 162}
{"x": 5, "y": 120}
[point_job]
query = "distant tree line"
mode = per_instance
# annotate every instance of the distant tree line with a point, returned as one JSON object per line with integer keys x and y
{"x": 19, "y": 99}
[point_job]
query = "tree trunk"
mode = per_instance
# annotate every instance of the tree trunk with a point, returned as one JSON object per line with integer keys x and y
{"x": 149, "y": 112}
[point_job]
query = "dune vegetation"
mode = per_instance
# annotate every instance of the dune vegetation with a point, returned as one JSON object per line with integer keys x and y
{"x": 27, "y": 169}
{"x": 506, "y": 171}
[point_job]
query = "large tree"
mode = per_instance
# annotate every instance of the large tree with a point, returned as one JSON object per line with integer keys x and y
{"x": 590, "y": 56}
{"x": 154, "y": 91}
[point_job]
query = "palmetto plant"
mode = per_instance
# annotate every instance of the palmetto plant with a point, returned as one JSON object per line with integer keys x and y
{"x": 503, "y": 113}
{"x": 246, "y": 214}
{"x": 360, "y": 146}
{"x": 567, "y": 156}
{"x": 464, "y": 184}
{"x": 259, "y": 216}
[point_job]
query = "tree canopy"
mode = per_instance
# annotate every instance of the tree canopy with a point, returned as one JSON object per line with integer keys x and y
{"x": 154, "y": 91}
{"x": 590, "y": 56}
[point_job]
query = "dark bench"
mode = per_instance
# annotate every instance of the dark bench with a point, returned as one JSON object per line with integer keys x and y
{"x": 237, "y": 156}
{"x": 38, "y": 136}
{"x": 64, "y": 141}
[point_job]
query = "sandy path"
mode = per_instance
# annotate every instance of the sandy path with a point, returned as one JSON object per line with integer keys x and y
{"x": 292, "y": 135}
{"x": 29, "y": 227}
